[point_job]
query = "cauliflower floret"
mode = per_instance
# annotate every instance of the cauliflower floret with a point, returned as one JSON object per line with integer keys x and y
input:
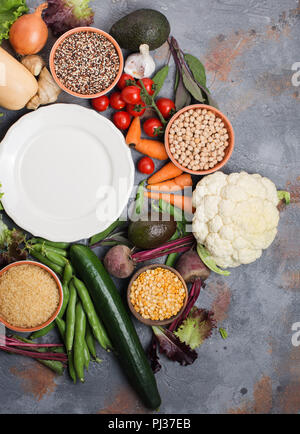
{"x": 236, "y": 216}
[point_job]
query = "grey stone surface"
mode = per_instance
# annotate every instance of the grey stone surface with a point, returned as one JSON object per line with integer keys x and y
{"x": 248, "y": 48}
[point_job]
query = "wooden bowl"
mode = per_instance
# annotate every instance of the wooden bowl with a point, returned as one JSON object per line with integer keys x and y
{"x": 228, "y": 150}
{"x": 92, "y": 30}
{"x": 150, "y": 322}
{"x": 53, "y": 316}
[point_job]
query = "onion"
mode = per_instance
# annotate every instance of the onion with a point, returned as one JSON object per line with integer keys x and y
{"x": 29, "y": 33}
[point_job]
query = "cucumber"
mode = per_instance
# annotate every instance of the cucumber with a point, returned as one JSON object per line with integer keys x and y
{"x": 111, "y": 310}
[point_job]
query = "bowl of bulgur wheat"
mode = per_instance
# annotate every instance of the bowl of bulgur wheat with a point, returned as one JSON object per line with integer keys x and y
{"x": 31, "y": 296}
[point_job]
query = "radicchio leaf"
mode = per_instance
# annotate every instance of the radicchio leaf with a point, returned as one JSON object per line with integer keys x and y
{"x": 173, "y": 348}
{"x": 153, "y": 356}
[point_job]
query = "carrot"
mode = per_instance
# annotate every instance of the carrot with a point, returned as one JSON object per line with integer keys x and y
{"x": 152, "y": 148}
{"x": 169, "y": 171}
{"x": 182, "y": 202}
{"x": 134, "y": 132}
{"x": 176, "y": 184}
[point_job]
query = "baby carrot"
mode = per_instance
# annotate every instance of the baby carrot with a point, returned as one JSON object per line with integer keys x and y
{"x": 134, "y": 133}
{"x": 152, "y": 148}
{"x": 169, "y": 171}
{"x": 182, "y": 202}
{"x": 172, "y": 185}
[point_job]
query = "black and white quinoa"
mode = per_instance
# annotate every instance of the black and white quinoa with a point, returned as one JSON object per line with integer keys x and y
{"x": 86, "y": 63}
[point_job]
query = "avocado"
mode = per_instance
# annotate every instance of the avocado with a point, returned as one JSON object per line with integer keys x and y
{"x": 144, "y": 26}
{"x": 149, "y": 234}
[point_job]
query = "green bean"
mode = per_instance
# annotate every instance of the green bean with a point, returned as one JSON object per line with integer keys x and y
{"x": 90, "y": 341}
{"x": 95, "y": 323}
{"x": 66, "y": 296}
{"x": 79, "y": 341}
{"x": 42, "y": 332}
{"x": 62, "y": 246}
{"x": 61, "y": 325}
{"x": 43, "y": 247}
{"x": 70, "y": 318}
{"x": 55, "y": 258}
{"x": 87, "y": 356}
{"x": 41, "y": 258}
{"x": 171, "y": 259}
{"x": 54, "y": 365}
{"x": 100, "y": 237}
{"x": 68, "y": 273}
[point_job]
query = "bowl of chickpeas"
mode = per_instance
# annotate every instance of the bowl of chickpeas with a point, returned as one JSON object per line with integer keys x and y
{"x": 199, "y": 139}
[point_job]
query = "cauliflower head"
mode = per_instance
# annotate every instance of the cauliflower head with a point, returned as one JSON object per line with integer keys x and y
{"x": 236, "y": 216}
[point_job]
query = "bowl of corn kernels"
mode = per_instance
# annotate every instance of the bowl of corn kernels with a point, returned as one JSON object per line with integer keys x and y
{"x": 199, "y": 139}
{"x": 157, "y": 294}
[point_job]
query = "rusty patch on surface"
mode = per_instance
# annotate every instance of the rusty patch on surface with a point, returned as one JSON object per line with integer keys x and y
{"x": 162, "y": 53}
{"x": 262, "y": 399}
{"x": 125, "y": 401}
{"x": 224, "y": 51}
{"x": 275, "y": 84}
{"x": 222, "y": 296}
{"x": 37, "y": 380}
{"x": 291, "y": 280}
{"x": 290, "y": 400}
{"x": 294, "y": 189}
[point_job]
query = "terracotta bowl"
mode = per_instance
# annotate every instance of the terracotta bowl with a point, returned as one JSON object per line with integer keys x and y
{"x": 93, "y": 30}
{"x": 54, "y": 315}
{"x": 149, "y": 321}
{"x": 228, "y": 151}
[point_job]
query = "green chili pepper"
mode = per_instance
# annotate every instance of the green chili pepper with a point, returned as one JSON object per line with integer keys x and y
{"x": 41, "y": 258}
{"x": 70, "y": 318}
{"x": 79, "y": 341}
{"x": 68, "y": 273}
{"x": 61, "y": 325}
{"x": 95, "y": 323}
{"x": 90, "y": 341}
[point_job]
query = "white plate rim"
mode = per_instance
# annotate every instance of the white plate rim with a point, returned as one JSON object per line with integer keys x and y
{"x": 122, "y": 206}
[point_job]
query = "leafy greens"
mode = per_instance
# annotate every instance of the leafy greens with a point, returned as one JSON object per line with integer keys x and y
{"x": 10, "y": 11}
{"x": 63, "y": 15}
{"x": 10, "y": 245}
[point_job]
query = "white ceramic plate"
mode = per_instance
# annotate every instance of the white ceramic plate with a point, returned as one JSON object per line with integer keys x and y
{"x": 66, "y": 172}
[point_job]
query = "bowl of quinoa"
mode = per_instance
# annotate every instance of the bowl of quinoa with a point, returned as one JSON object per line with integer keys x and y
{"x": 157, "y": 294}
{"x": 31, "y": 296}
{"x": 86, "y": 62}
{"x": 199, "y": 139}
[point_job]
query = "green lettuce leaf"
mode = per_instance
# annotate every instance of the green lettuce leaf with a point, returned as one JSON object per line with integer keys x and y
{"x": 10, "y": 10}
{"x": 196, "y": 328}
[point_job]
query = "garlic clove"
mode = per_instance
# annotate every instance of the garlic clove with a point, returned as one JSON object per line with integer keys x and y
{"x": 140, "y": 65}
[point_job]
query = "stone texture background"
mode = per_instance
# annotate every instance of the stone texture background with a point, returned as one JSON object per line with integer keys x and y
{"x": 248, "y": 47}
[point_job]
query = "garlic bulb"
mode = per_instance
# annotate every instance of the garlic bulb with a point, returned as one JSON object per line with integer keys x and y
{"x": 140, "y": 65}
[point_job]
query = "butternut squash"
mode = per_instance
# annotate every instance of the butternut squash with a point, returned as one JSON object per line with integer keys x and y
{"x": 17, "y": 84}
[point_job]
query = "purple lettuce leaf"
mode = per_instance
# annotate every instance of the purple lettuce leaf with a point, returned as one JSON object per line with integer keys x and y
{"x": 63, "y": 15}
{"x": 173, "y": 348}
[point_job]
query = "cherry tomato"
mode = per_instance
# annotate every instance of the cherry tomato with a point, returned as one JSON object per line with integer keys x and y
{"x": 149, "y": 85}
{"x": 125, "y": 78}
{"x": 146, "y": 166}
{"x": 166, "y": 107}
{"x": 116, "y": 101}
{"x": 122, "y": 120}
{"x": 136, "y": 109}
{"x": 100, "y": 104}
{"x": 153, "y": 127}
{"x": 131, "y": 94}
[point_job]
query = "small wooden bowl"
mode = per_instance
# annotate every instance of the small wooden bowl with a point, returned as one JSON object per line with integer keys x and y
{"x": 229, "y": 149}
{"x": 53, "y": 316}
{"x": 150, "y": 322}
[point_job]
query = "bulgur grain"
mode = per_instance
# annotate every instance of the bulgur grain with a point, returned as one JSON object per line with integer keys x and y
{"x": 29, "y": 296}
